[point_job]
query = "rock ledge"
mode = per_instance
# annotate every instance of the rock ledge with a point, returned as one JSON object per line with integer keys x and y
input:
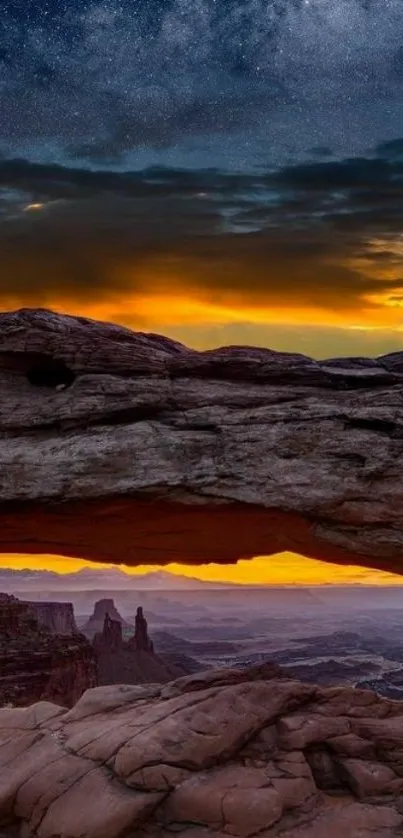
{"x": 218, "y": 754}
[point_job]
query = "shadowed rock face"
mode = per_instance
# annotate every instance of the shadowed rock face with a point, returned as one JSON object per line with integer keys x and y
{"x": 36, "y": 663}
{"x": 57, "y": 617}
{"x": 125, "y": 447}
{"x": 111, "y": 637}
{"x": 133, "y": 661}
{"x": 140, "y": 639}
{"x": 218, "y": 754}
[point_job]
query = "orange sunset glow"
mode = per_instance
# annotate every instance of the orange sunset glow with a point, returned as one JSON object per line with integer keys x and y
{"x": 281, "y": 569}
{"x": 171, "y": 297}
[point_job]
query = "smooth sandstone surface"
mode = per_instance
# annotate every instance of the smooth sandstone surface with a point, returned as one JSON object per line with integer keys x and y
{"x": 224, "y": 754}
{"x": 120, "y": 446}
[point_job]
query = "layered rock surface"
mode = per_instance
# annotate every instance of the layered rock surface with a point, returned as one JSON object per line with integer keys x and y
{"x": 219, "y": 754}
{"x": 36, "y": 664}
{"x": 122, "y": 446}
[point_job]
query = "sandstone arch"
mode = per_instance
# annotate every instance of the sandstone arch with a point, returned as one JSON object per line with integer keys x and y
{"x": 148, "y": 452}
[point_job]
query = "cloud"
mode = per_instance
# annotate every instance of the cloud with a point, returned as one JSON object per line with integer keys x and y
{"x": 354, "y": 173}
{"x": 290, "y": 239}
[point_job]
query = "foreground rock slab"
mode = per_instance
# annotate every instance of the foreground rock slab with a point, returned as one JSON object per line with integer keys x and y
{"x": 218, "y": 754}
{"x": 126, "y": 447}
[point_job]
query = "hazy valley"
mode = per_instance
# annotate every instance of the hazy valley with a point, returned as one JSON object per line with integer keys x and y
{"x": 321, "y": 634}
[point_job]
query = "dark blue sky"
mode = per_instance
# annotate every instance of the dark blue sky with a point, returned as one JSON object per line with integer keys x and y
{"x": 244, "y": 82}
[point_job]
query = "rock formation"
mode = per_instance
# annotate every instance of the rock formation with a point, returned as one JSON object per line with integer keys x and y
{"x": 36, "y": 664}
{"x": 57, "y": 617}
{"x": 140, "y": 639}
{"x": 218, "y": 754}
{"x": 118, "y": 445}
{"x": 111, "y": 637}
{"x": 134, "y": 661}
{"x": 103, "y": 608}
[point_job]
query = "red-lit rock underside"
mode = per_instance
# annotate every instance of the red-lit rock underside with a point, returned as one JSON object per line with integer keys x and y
{"x": 119, "y": 446}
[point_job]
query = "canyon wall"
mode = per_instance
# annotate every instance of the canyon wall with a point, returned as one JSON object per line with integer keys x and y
{"x": 38, "y": 665}
{"x": 57, "y": 617}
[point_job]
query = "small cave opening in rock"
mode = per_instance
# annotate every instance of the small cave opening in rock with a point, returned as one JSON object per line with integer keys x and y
{"x": 327, "y": 770}
{"x": 50, "y": 372}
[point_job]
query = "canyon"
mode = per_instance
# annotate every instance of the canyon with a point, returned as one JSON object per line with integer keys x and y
{"x": 120, "y": 446}
{"x": 44, "y": 657}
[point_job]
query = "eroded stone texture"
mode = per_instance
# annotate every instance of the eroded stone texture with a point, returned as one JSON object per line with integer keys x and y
{"x": 243, "y": 755}
{"x": 128, "y": 447}
{"x": 57, "y": 617}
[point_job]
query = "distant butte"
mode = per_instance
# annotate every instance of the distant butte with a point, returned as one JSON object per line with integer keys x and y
{"x": 119, "y": 446}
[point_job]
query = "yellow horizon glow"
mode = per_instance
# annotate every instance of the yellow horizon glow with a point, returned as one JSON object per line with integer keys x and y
{"x": 144, "y": 311}
{"x": 168, "y": 294}
{"x": 273, "y": 570}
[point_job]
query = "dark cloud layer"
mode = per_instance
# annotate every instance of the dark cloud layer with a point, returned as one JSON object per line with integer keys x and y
{"x": 293, "y": 236}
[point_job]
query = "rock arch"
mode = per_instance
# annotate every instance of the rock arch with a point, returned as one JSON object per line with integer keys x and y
{"x": 157, "y": 453}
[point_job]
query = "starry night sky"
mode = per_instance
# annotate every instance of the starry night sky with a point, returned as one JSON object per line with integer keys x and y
{"x": 224, "y": 171}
